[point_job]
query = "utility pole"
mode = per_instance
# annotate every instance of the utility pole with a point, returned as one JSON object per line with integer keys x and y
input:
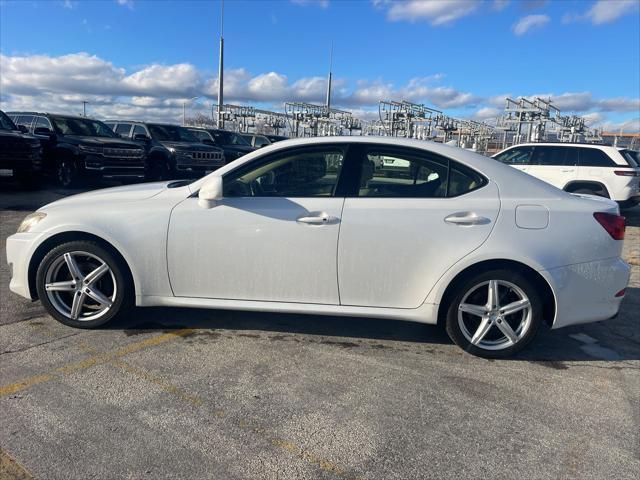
{"x": 328, "y": 102}
{"x": 221, "y": 70}
{"x": 84, "y": 108}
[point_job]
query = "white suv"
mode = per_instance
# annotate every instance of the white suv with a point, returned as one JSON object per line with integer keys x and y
{"x": 580, "y": 168}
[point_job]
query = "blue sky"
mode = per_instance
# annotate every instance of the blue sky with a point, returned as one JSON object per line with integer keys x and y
{"x": 143, "y": 58}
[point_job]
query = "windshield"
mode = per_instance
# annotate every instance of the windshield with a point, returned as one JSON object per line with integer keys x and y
{"x": 6, "y": 123}
{"x": 172, "y": 133}
{"x": 82, "y": 127}
{"x": 229, "y": 138}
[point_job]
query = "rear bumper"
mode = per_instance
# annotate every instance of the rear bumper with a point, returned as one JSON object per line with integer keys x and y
{"x": 585, "y": 292}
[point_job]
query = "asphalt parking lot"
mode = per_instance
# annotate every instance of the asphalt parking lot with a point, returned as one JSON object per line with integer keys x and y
{"x": 234, "y": 395}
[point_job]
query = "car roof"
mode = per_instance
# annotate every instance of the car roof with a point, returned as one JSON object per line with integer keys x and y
{"x": 49, "y": 114}
{"x": 562, "y": 144}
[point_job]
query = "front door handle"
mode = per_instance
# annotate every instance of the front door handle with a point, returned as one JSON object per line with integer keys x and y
{"x": 319, "y": 219}
{"x": 466, "y": 219}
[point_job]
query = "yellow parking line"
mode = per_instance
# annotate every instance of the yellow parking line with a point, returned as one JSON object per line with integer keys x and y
{"x": 114, "y": 359}
{"x": 91, "y": 361}
{"x": 10, "y": 469}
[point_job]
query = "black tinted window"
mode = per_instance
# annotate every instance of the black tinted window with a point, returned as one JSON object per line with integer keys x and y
{"x": 201, "y": 135}
{"x": 298, "y": 173}
{"x": 6, "y": 123}
{"x": 462, "y": 180}
{"x": 631, "y": 157}
{"x": 171, "y": 133}
{"x": 549, "y": 156}
{"x": 593, "y": 157}
{"x": 139, "y": 130}
{"x": 82, "y": 127}
{"x": 516, "y": 156}
{"x": 25, "y": 120}
{"x": 123, "y": 129}
{"x": 42, "y": 122}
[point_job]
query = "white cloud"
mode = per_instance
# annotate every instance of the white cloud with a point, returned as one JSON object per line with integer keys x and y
{"x": 156, "y": 91}
{"x": 606, "y": 11}
{"x": 125, "y": 3}
{"x": 530, "y": 22}
{"x": 436, "y": 12}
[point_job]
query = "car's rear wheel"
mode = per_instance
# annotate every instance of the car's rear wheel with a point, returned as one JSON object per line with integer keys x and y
{"x": 494, "y": 314}
{"x": 600, "y": 192}
{"x": 82, "y": 284}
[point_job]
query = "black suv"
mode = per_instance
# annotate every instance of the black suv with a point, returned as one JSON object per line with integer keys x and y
{"x": 233, "y": 144}
{"x": 80, "y": 147}
{"x": 20, "y": 154}
{"x": 173, "y": 150}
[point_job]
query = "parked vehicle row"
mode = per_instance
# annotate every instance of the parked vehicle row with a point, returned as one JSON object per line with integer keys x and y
{"x": 172, "y": 151}
{"x": 72, "y": 148}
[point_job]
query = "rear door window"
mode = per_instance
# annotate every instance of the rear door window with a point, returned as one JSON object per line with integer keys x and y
{"x": 594, "y": 157}
{"x": 516, "y": 156}
{"x": 123, "y": 129}
{"x": 42, "y": 122}
{"x": 25, "y": 120}
{"x": 549, "y": 156}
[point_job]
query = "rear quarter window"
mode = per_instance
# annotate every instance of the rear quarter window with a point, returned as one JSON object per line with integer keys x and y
{"x": 594, "y": 157}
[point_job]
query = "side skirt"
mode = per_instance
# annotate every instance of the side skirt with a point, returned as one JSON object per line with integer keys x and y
{"x": 426, "y": 313}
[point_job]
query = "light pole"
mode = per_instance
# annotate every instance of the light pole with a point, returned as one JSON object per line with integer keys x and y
{"x": 221, "y": 70}
{"x": 84, "y": 108}
{"x": 184, "y": 110}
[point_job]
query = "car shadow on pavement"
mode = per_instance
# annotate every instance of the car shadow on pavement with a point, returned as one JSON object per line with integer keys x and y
{"x": 614, "y": 340}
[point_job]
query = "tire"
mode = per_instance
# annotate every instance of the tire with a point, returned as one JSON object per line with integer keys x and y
{"x": 67, "y": 173}
{"x": 464, "y": 325}
{"x": 112, "y": 285}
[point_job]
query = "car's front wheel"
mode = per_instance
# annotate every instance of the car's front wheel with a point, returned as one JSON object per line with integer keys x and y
{"x": 82, "y": 284}
{"x": 494, "y": 314}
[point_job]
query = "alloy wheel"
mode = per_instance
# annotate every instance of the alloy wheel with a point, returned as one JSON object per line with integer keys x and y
{"x": 494, "y": 315}
{"x": 80, "y": 286}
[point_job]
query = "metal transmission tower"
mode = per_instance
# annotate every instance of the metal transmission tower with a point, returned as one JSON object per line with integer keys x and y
{"x": 539, "y": 120}
{"x": 246, "y": 118}
{"x": 406, "y": 119}
{"x": 309, "y": 120}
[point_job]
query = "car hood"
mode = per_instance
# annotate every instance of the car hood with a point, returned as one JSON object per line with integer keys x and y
{"x": 239, "y": 148}
{"x": 104, "y": 141}
{"x": 127, "y": 193}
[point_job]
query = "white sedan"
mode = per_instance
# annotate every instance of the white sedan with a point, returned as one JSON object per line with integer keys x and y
{"x": 356, "y": 226}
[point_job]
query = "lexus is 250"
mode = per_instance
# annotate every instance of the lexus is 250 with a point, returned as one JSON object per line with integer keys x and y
{"x": 369, "y": 227}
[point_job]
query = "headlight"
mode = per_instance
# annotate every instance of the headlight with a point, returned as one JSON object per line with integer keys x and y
{"x": 91, "y": 149}
{"x": 31, "y": 221}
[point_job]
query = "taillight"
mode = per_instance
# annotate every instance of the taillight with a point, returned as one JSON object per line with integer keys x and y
{"x": 621, "y": 293}
{"x": 612, "y": 223}
{"x": 626, "y": 173}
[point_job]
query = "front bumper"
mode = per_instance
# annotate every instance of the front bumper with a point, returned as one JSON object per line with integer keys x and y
{"x": 20, "y": 248}
{"x": 585, "y": 292}
{"x": 114, "y": 167}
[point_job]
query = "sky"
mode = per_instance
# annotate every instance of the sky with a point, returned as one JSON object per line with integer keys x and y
{"x": 142, "y": 59}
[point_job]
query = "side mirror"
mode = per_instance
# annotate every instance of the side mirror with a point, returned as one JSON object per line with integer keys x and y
{"x": 23, "y": 129}
{"x": 210, "y": 192}
{"x": 43, "y": 131}
{"x": 141, "y": 137}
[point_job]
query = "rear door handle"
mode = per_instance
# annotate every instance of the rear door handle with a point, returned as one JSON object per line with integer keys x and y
{"x": 322, "y": 219}
{"x": 466, "y": 219}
